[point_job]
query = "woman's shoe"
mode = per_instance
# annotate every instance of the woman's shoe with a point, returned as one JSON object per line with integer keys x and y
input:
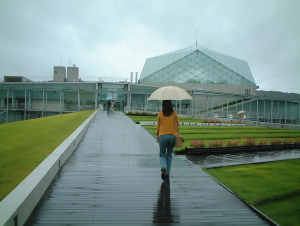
{"x": 163, "y": 173}
{"x": 167, "y": 177}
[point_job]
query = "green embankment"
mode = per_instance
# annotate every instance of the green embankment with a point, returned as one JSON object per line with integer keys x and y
{"x": 25, "y": 144}
{"x": 273, "y": 188}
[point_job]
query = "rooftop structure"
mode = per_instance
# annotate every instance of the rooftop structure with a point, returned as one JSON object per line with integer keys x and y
{"x": 16, "y": 79}
{"x": 197, "y": 65}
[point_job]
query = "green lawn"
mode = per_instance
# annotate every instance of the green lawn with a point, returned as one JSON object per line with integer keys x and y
{"x": 273, "y": 188}
{"x": 25, "y": 144}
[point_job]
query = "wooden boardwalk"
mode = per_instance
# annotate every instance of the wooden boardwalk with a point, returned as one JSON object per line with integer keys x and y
{"x": 113, "y": 178}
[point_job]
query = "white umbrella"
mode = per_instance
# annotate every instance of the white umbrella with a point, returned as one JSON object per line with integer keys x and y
{"x": 170, "y": 93}
{"x": 241, "y": 112}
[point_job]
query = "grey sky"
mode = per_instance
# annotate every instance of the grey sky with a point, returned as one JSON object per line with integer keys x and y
{"x": 109, "y": 38}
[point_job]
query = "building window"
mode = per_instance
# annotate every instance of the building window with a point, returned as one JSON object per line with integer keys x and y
{"x": 247, "y": 92}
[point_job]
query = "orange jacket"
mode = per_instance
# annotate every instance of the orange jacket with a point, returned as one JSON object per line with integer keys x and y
{"x": 166, "y": 124}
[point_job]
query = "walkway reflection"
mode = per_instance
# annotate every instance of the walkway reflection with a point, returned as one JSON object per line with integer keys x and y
{"x": 165, "y": 212}
{"x": 217, "y": 160}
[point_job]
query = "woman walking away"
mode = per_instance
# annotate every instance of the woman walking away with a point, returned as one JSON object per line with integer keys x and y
{"x": 167, "y": 123}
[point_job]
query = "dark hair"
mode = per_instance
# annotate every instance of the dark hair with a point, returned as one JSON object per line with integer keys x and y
{"x": 167, "y": 107}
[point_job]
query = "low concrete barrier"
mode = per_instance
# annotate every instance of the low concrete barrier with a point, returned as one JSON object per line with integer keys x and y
{"x": 194, "y": 124}
{"x": 273, "y": 125}
{"x": 17, "y": 206}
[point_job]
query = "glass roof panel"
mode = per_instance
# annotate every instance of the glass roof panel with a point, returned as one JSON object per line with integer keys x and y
{"x": 194, "y": 64}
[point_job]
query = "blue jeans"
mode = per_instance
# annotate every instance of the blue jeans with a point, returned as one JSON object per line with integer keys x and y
{"x": 166, "y": 145}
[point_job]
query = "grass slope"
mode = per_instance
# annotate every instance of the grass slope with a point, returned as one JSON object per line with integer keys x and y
{"x": 273, "y": 188}
{"x": 284, "y": 211}
{"x": 25, "y": 144}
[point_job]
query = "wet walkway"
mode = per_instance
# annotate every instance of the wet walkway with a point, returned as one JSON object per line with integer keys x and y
{"x": 219, "y": 160}
{"x": 113, "y": 178}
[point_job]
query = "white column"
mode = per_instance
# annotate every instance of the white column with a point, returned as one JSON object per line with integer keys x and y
{"x": 291, "y": 112}
{"x": 285, "y": 109}
{"x": 242, "y": 104}
{"x": 212, "y": 105}
{"x": 46, "y": 102}
{"x": 271, "y": 120}
{"x": 196, "y": 106}
{"x": 222, "y": 107}
{"x": 96, "y": 96}
{"x": 236, "y": 105}
{"x": 25, "y": 106}
{"x": 207, "y": 106}
{"x": 257, "y": 112}
{"x": 78, "y": 103}
{"x": 264, "y": 108}
{"x": 60, "y": 100}
{"x": 12, "y": 100}
{"x": 43, "y": 103}
{"x": 227, "y": 108}
{"x": 249, "y": 116}
{"x": 7, "y": 96}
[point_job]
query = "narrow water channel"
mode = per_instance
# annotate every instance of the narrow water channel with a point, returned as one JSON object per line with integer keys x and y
{"x": 218, "y": 160}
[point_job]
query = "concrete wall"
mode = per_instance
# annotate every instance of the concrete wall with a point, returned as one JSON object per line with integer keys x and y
{"x": 17, "y": 206}
{"x": 273, "y": 125}
{"x": 59, "y": 74}
{"x": 72, "y": 74}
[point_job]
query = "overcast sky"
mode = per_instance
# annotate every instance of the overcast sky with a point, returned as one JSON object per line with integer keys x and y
{"x": 111, "y": 38}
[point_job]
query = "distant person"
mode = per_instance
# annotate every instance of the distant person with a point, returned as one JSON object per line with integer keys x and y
{"x": 241, "y": 117}
{"x": 167, "y": 123}
{"x": 112, "y": 106}
{"x": 108, "y": 106}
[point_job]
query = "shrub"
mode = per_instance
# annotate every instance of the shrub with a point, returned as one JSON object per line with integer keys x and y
{"x": 262, "y": 142}
{"x": 248, "y": 141}
{"x": 144, "y": 113}
{"x": 276, "y": 141}
{"x": 216, "y": 143}
{"x": 197, "y": 144}
{"x": 287, "y": 141}
{"x": 297, "y": 140}
{"x": 232, "y": 143}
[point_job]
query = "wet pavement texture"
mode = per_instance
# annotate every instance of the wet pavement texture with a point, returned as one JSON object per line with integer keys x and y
{"x": 219, "y": 160}
{"x": 113, "y": 178}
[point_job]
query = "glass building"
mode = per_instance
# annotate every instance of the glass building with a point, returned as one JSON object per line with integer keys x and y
{"x": 197, "y": 65}
{"x": 219, "y": 84}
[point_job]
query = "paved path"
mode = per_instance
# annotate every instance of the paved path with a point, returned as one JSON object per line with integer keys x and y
{"x": 113, "y": 178}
